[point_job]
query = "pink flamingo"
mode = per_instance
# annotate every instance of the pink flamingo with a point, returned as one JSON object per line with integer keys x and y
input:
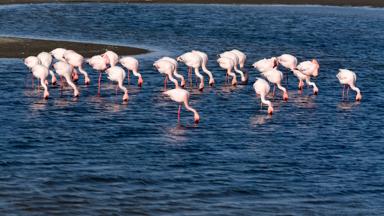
{"x": 30, "y": 62}
{"x": 275, "y": 76}
{"x": 58, "y": 54}
{"x": 167, "y": 68}
{"x": 46, "y": 60}
{"x": 193, "y": 60}
{"x": 98, "y": 63}
{"x": 111, "y": 58}
{"x": 117, "y": 74}
{"x": 180, "y": 95}
{"x": 347, "y": 77}
{"x": 175, "y": 72}
{"x": 76, "y": 60}
{"x": 235, "y": 60}
{"x": 228, "y": 63}
{"x": 63, "y": 69}
{"x": 262, "y": 88}
{"x": 310, "y": 68}
{"x": 290, "y": 62}
{"x": 204, "y": 58}
{"x": 266, "y": 64}
{"x": 132, "y": 64}
{"x": 41, "y": 73}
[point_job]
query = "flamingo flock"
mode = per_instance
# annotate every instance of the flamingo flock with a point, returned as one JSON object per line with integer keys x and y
{"x": 68, "y": 63}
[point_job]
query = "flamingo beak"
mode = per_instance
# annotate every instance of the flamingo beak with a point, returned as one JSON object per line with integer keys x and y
{"x": 285, "y": 96}
{"x": 140, "y": 82}
{"x": 270, "y": 110}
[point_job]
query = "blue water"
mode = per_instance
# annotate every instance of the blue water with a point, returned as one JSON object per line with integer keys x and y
{"x": 317, "y": 155}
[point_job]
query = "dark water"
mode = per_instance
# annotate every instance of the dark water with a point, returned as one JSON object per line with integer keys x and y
{"x": 97, "y": 156}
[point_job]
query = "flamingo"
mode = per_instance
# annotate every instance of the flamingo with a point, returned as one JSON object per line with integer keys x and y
{"x": 41, "y": 72}
{"x": 180, "y": 95}
{"x": 193, "y": 60}
{"x": 76, "y": 60}
{"x": 167, "y": 68}
{"x": 175, "y": 72}
{"x": 242, "y": 57}
{"x": 58, "y": 54}
{"x": 310, "y": 68}
{"x": 117, "y": 74}
{"x": 266, "y": 64}
{"x": 227, "y": 63}
{"x": 46, "y": 60}
{"x": 290, "y": 62}
{"x": 204, "y": 58}
{"x": 275, "y": 76}
{"x": 98, "y": 63}
{"x": 235, "y": 59}
{"x": 132, "y": 64}
{"x": 63, "y": 69}
{"x": 30, "y": 62}
{"x": 110, "y": 57}
{"x": 262, "y": 88}
{"x": 347, "y": 77}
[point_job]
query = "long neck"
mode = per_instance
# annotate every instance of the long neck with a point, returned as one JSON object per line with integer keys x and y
{"x": 241, "y": 74}
{"x": 173, "y": 80}
{"x": 265, "y": 101}
{"x": 136, "y": 73}
{"x": 308, "y": 81}
{"x": 198, "y": 74}
{"x": 209, "y": 73}
{"x": 176, "y": 74}
{"x": 70, "y": 82}
{"x": 186, "y": 104}
{"x": 120, "y": 84}
{"x": 82, "y": 71}
{"x": 354, "y": 88}
{"x": 281, "y": 87}
{"x": 42, "y": 82}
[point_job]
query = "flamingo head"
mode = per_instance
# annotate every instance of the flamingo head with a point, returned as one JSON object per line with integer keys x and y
{"x": 125, "y": 97}
{"x": 196, "y": 118}
{"x": 182, "y": 84}
{"x": 211, "y": 82}
{"x": 53, "y": 80}
{"x": 76, "y": 93}
{"x": 285, "y": 96}
{"x": 46, "y": 95}
{"x": 358, "y": 97}
{"x": 201, "y": 87}
{"x": 140, "y": 82}
{"x": 87, "y": 81}
{"x": 234, "y": 81}
{"x": 315, "y": 90}
{"x": 270, "y": 110}
{"x": 75, "y": 76}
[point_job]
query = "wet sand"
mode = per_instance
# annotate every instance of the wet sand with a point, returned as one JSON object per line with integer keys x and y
{"x": 21, "y": 48}
{"x": 372, "y": 3}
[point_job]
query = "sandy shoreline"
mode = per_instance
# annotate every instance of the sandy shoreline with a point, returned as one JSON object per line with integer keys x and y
{"x": 372, "y": 3}
{"x": 20, "y": 48}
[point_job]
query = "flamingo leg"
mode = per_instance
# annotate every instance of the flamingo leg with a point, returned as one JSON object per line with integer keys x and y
{"x": 261, "y": 105}
{"x": 165, "y": 83}
{"x": 226, "y": 78}
{"x": 38, "y": 85}
{"x": 343, "y": 92}
{"x": 190, "y": 76}
{"x": 347, "y": 91}
{"x": 61, "y": 86}
{"x": 274, "y": 88}
{"x": 178, "y": 114}
{"x": 33, "y": 81}
{"x": 98, "y": 90}
{"x": 116, "y": 90}
{"x": 129, "y": 79}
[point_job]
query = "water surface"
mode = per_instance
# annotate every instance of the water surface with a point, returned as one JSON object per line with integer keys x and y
{"x": 95, "y": 155}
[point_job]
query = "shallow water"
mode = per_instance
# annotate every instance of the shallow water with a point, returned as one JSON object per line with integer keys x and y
{"x": 95, "y": 155}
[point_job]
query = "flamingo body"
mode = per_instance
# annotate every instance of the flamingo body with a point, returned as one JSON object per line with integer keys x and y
{"x": 182, "y": 96}
{"x": 348, "y": 77}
